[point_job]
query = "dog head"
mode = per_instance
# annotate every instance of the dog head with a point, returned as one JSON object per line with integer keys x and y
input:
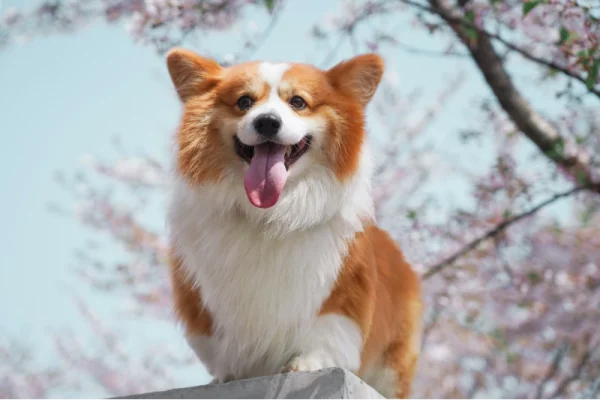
{"x": 273, "y": 138}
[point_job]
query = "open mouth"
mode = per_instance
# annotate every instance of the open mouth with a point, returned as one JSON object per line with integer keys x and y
{"x": 292, "y": 154}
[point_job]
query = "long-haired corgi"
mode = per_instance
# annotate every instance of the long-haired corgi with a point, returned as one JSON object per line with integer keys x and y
{"x": 277, "y": 262}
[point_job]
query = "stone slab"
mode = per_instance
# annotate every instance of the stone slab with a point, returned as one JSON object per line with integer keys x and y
{"x": 331, "y": 383}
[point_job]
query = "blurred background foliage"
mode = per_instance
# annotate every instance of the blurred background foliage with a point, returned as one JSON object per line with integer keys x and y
{"x": 486, "y": 136}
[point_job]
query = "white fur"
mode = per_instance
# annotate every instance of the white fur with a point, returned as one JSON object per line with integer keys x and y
{"x": 382, "y": 379}
{"x": 264, "y": 273}
{"x": 204, "y": 347}
{"x": 293, "y": 127}
{"x": 334, "y": 341}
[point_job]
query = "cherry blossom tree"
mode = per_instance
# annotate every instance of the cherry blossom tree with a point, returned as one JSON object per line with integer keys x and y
{"x": 511, "y": 275}
{"x": 18, "y": 376}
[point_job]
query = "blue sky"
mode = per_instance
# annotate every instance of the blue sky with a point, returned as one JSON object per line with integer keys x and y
{"x": 67, "y": 95}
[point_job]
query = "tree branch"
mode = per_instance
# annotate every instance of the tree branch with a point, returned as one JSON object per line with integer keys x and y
{"x": 379, "y": 8}
{"x": 533, "y": 125}
{"x": 420, "y": 51}
{"x": 574, "y": 376}
{"x": 258, "y": 42}
{"x": 558, "y": 357}
{"x": 455, "y": 17}
{"x": 496, "y": 231}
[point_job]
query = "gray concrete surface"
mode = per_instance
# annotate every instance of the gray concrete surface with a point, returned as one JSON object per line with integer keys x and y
{"x": 331, "y": 383}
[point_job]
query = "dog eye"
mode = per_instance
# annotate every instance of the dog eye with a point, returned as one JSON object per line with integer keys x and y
{"x": 245, "y": 102}
{"x": 298, "y": 102}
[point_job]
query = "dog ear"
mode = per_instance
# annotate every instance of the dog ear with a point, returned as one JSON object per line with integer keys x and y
{"x": 192, "y": 74}
{"x": 358, "y": 77}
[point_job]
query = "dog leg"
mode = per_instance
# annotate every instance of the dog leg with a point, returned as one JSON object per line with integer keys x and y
{"x": 334, "y": 341}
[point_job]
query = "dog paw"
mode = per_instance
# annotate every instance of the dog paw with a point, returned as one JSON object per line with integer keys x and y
{"x": 304, "y": 364}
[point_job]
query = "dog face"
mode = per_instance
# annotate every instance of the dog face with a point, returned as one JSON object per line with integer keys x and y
{"x": 271, "y": 130}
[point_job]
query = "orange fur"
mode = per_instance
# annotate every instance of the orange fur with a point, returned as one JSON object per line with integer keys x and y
{"x": 188, "y": 302}
{"x": 379, "y": 290}
{"x": 376, "y": 287}
{"x": 209, "y": 93}
{"x": 327, "y": 95}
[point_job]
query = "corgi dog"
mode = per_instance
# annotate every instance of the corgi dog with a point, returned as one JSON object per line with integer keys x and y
{"x": 277, "y": 263}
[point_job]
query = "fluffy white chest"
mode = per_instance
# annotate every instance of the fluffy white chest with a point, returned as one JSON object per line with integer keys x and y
{"x": 264, "y": 292}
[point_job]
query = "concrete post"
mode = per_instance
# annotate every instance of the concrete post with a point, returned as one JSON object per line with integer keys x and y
{"x": 331, "y": 383}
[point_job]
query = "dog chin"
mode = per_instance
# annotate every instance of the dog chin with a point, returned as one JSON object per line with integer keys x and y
{"x": 310, "y": 197}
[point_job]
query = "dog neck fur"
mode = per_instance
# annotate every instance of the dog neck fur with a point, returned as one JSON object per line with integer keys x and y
{"x": 316, "y": 198}
{"x": 294, "y": 250}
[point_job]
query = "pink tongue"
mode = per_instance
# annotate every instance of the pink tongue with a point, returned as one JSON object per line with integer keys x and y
{"x": 266, "y": 176}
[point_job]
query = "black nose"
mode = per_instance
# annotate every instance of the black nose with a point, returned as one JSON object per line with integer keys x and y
{"x": 267, "y": 124}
